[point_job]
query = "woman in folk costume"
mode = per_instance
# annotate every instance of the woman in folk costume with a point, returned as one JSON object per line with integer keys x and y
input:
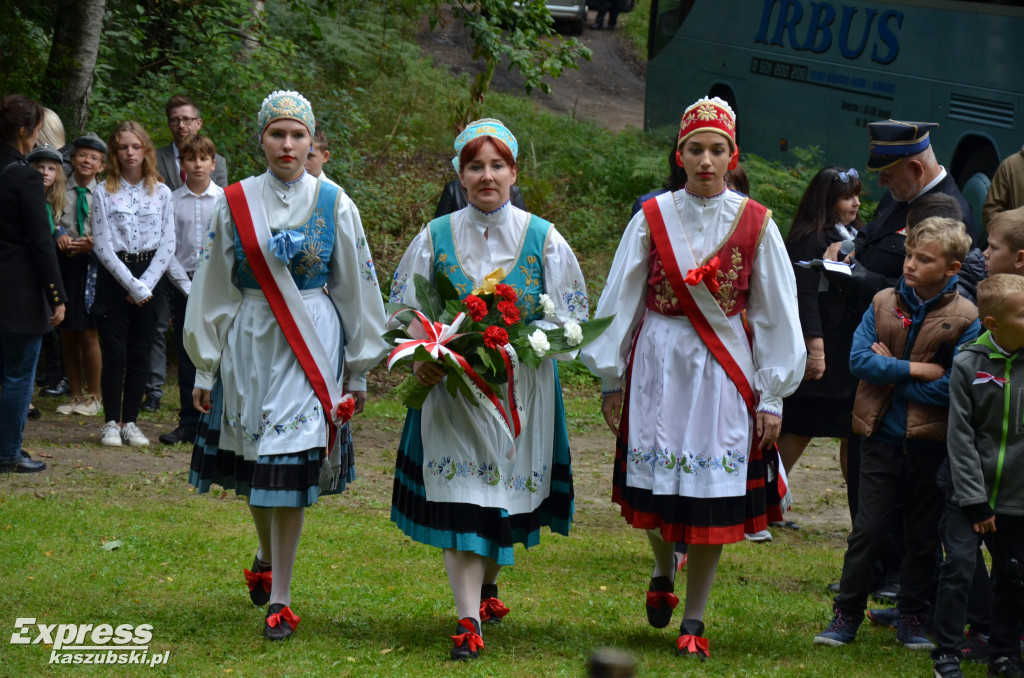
{"x": 455, "y": 487}
{"x": 284, "y": 273}
{"x": 703, "y": 387}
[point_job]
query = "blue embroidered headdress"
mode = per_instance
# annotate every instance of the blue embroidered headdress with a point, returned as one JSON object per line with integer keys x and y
{"x": 489, "y": 127}
{"x": 285, "y": 105}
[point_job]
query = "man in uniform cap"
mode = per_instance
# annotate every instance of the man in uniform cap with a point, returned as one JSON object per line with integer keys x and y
{"x": 902, "y": 154}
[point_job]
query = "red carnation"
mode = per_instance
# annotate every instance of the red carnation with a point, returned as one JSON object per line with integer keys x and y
{"x": 476, "y": 307}
{"x": 506, "y": 292}
{"x": 509, "y": 312}
{"x": 494, "y": 337}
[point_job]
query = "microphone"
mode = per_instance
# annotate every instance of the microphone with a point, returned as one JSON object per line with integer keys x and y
{"x": 845, "y": 249}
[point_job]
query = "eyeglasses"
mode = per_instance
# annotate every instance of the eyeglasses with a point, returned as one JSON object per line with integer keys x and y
{"x": 847, "y": 176}
{"x": 181, "y": 121}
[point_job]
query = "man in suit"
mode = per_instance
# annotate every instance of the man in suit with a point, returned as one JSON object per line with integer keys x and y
{"x": 183, "y": 119}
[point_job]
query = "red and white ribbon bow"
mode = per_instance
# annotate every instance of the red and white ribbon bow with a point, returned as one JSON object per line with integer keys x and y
{"x": 434, "y": 337}
{"x": 985, "y": 377}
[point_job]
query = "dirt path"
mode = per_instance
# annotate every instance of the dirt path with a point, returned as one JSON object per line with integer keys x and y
{"x": 608, "y": 90}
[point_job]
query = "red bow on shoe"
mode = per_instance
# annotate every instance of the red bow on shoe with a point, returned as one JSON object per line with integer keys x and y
{"x": 707, "y": 273}
{"x": 693, "y": 644}
{"x": 655, "y": 599}
{"x": 252, "y": 579}
{"x": 492, "y": 607}
{"x": 470, "y": 636}
{"x": 285, "y": 614}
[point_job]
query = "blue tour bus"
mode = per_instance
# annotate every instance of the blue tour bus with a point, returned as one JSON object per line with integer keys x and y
{"x": 808, "y": 73}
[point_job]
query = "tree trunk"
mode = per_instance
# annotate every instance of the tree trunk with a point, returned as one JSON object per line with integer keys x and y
{"x": 72, "y": 64}
{"x": 250, "y": 40}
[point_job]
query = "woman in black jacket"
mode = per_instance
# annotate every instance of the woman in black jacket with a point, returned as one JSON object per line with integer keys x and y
{"x": 34, "y": 294}
{"x": 823, "y": 404}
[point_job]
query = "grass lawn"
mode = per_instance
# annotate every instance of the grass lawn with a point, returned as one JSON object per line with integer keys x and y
{"x": 372, "y": 602}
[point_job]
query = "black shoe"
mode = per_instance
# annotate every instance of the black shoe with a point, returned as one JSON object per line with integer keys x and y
{"x": 596, "y": 27}
{"x": 23, "y": 464}
{"x": 833, "y": 588}
{"x": 182, "y": 434}
{"x": 33, "y": 412}
{"x": 467, "y": 640}
{"x": 57, "y": 390}
{"x": 887, "y": 594}
{"x": 660, "y": 601}
{"x": 691, "y": 641}
{"x": 491, "y": 609}
{"x": 150, "y": 403}
{"x": 947, "y": 665}
{"x": 1006, "y": 667}
{"x": 281, "y": 622}
{"x": 259, "y": 580}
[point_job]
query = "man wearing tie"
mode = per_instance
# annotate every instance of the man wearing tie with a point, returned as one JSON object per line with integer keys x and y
{"x": 183, "y": 119}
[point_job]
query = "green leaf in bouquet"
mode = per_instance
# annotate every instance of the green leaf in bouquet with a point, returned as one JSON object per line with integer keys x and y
{"x": 452, "y": 308}
{"x": 395, "y": 307}
{"x": 485, "y": 358}
{"x": 412, "y": 393}
{"x": 428, "y": 298}
{"x": 592, "y": 329}
{"x": 445, "y": 288}
{"x": 528, "y": 357}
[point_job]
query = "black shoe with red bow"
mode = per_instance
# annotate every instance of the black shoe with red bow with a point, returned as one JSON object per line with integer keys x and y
{"x": 660, "y": 601}
{"x": 467, "y": 639}
{"x": 691, "y": 641}
{"x": 259, "y": 581}
{"x": 491, "y": 609}
{"x": 281, "y": 622}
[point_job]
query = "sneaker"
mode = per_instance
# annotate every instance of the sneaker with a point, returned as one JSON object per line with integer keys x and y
{"x": 60, "y": 388}
{"x": 886, "y": 616}
{"x": 887, "y": 594}
{"x": 1006, "y": 667}
{"x": 150, "y": 403}
{"x": 762, "y": 537}
{"x": 89, "y": 406}
{"x": 70, "y": 405}
{"x": 841, "y": 630}
{"x": 110, "y": 435}
{"x": 131, "y": 435}
{"x": 947, "y": 665}
{"x": 974, "y": 647}
{"x": 910, "y": 632}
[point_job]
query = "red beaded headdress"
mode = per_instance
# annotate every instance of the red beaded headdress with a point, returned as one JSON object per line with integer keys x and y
{"x": 709, "y": 115}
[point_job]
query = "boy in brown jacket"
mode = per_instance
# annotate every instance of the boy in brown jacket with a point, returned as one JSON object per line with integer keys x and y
{"x": 902, "y": 353}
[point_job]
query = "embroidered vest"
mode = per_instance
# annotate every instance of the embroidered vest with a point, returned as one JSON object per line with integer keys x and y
{"x": 310, "y": 265}
{"x": 526, "y": 276}
{"x": 735, "y": 256}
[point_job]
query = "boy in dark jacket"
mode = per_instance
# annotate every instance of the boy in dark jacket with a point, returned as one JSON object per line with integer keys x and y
{"x": 902, "y": 352}
{"x": 986, "y": 455}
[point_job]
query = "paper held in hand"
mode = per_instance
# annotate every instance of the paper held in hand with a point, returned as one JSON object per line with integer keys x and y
{"x": 826, "y": 265}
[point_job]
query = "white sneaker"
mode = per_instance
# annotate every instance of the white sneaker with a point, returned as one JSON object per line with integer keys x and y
{"x": 111, "y": 434}
{"x": 89, "y": 406}
{"x": 70, "y": 405}
{"x": 131, "y": 434}
{"x": 763, "y": 536}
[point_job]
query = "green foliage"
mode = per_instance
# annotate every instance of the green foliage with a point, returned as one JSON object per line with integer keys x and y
{"x": 517, "y": 32}
{"x": 24, "y": 48}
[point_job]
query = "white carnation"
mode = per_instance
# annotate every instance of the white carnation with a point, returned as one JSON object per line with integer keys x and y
{"x": 573, "y": 333}
{"x": 548, "y": 306}
{"x": 539, "y": 343}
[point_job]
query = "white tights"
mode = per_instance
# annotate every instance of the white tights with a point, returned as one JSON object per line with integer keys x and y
{"x": 701, "y": 566}
{"x": 467, "y": 573}
{"x": 279, "y": 529}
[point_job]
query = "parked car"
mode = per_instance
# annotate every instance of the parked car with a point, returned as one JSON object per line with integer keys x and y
{"x": 572, "y": 12}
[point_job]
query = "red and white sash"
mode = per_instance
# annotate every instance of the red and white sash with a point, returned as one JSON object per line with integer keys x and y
{"x": 730, "y": 348}
{"x": 286, "y": 303}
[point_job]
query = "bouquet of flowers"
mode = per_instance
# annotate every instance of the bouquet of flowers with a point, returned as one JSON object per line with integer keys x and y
{"x": 479, "y": 341}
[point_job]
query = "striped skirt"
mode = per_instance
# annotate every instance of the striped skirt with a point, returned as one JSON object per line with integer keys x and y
{"x": 291, "y": 480}
{"x": 487, "y": 531}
